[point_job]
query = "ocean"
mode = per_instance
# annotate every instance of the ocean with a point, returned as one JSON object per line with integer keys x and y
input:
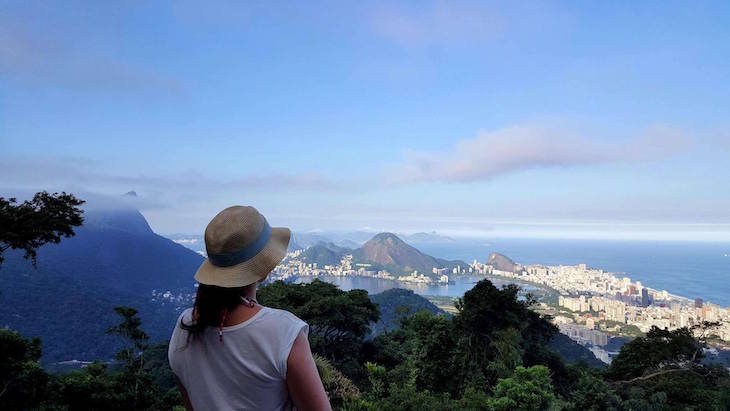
{"x": 688, "y": 269}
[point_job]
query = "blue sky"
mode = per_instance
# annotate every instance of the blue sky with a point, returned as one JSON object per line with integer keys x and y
{"x": 577, "y": 119}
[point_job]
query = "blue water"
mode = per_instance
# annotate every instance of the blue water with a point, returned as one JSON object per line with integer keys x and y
{"x": 689, "y": 269}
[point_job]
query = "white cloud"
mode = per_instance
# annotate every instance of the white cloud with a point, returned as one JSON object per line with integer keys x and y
{"x": 517, "y": 148}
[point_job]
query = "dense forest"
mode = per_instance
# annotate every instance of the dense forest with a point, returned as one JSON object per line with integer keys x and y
{"x": 492, "y": 355}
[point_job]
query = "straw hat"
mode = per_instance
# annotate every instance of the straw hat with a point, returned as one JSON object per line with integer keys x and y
{"x": 242, "y": 248}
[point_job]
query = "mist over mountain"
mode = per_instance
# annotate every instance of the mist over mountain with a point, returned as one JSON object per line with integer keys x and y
{"x": 114, "y": 259}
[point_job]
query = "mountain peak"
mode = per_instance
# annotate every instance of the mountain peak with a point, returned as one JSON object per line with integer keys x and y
{"x": 503, "y": 263}
{"x": 389, "y": 251}
{"x": 386, "y": 237}
{"x": 129, "y": 220}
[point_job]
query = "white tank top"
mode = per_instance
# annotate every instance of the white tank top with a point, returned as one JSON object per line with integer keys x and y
{"x": 247, "y": 371}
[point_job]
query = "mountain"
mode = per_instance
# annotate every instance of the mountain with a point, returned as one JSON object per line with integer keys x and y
{"x": 114, "y": 259}
{"x": 350, "y": 239}
{"x": 325, "y": 254}
{"x": 503, "y": 263}
{"x": 395, "y": 304}
{"x": 387, "y": 251}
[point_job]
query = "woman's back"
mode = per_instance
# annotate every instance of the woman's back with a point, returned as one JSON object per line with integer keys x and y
{"x": 247, "y": 370}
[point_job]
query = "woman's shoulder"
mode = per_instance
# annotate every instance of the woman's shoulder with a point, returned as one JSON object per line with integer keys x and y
{"x": 185, "y": 316}
{"x": 276, "y": 314}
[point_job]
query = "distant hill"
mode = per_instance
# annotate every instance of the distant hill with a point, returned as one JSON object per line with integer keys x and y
{"x": 325, "y": 254}
{"x": 503, "y": 263}
{"x": 387, "y": 251}
{"x": 398, "y": 303}
{"x": 114, "y": 259}
{"x": 432, "y": 237}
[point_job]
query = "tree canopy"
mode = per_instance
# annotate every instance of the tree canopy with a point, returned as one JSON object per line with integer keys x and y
{"x": 338, "y": 320}
{"x": 471, "y": 361}
{"x": 46, "y": 218}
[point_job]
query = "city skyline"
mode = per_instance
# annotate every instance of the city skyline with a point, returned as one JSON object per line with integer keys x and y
{"x": 581, "y": 121}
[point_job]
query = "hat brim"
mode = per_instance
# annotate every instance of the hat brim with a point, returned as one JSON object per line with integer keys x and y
{"x": 250, "y": 271}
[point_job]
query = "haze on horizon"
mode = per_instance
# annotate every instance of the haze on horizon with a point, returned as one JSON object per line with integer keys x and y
{"x": 588, "y": 120}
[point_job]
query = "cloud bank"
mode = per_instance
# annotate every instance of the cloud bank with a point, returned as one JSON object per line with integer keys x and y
{"x": 64, "y": 173}
{"x": 513, "y": 149}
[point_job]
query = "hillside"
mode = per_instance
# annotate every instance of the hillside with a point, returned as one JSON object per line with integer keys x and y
{"x": 387, "y": 251}
{"x": 114, "y": 259}
{"x": 573, "y": 352}
{"x": 397, "y": 303}
{"x": 502, "y": 263}
{"x": 324, "y": 253}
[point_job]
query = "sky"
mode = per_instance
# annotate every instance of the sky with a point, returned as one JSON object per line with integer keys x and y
{"x": 537, "y": 119}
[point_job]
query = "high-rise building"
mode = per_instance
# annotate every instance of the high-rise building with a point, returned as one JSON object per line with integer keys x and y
{"x": 644, "y": 297}
{"x": 698, "y": 303}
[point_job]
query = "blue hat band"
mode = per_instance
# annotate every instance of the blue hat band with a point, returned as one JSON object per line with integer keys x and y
{"x": 244, "y": 254}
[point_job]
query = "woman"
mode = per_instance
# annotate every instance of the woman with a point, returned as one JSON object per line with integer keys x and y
{"x": 229, "y": 352}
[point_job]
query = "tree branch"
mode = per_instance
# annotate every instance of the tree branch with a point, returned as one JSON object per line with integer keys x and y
{"x": 658, "y": 373}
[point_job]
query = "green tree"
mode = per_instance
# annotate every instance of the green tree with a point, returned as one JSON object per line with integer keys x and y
{"x": 129, "y": 329}
{"x": 134, "y": 383}
{"x": 527, "y": 389}
{"x": 91, "y": 388}
{"x": 658, "y": 352}
{"x": 44, "y": 219}
{"x": 435, "y": 360}
{"x": 664, "y": 369}
{"x": 23, "y": 382}
{"x": 496, "y": 326}
{"x": 339, "y": 321}
{"x": 593, "y": 393}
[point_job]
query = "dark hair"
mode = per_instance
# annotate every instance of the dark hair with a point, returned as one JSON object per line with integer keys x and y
{"x": 211, "y": 302}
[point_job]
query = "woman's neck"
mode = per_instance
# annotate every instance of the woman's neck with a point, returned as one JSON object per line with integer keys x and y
{"x": 243, "y": 312}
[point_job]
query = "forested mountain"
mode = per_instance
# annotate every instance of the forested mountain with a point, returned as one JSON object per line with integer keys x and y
{"x": 325, "y": 253}
{"x": 396, "y": 304}
{"x": 68, "y": 299}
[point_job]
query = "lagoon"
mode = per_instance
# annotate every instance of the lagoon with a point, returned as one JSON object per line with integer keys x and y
{"x": 372, "y": 285}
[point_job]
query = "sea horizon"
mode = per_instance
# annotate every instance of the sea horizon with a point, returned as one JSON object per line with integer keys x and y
{"x": 691, "y": 269}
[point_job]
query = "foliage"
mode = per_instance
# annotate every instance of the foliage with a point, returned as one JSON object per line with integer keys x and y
{"x": 659, "y": 349}
{"x": 46, "y": 218}
{"x": 340, "y": 390}
{"x": 96, "y": 387}
{"x": 338, "y": 321}
{"x": 527, "y": 389}
{"x": 21, "y": 377}
{"x": 592, "y": 392}
{"x": 129, "y": 329}
{"x": 431, "y": 362}
{"x": 663, "y": 369}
